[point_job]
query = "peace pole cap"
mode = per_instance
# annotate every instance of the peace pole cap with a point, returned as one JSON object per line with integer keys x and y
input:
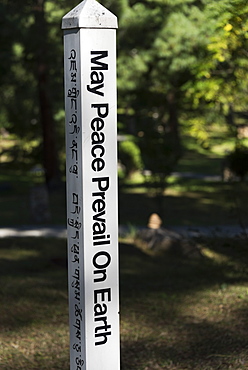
{"x": 89, "y": 14}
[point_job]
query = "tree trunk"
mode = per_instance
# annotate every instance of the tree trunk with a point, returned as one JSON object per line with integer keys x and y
{"x": 50, "y": 159}
{"x": 174, "y": 124}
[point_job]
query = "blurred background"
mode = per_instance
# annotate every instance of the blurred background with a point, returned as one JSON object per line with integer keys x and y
{"x": 182, "y": 111}
{"x": 183, "y": 154}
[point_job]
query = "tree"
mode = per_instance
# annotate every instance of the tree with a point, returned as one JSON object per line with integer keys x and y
{"x": 155, "y": 63}
{"x": 32, "y": 86}
{"x": 220, "y": 85}
{"x": 178, "y": 60}
{"x": 182, "y": 60}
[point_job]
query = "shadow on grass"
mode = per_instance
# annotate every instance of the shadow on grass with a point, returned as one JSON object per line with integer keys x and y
{"x": 176, "y": 313}
{"x": 187, "y": 202}
{"x": 184, "y": 314}
{"x": 200, "y": 346}
{"x": 34, "y": 331}
{"x": 33, "y": 278}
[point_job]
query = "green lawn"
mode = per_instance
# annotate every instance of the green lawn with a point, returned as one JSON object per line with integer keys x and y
{"x": 186, "y": 201}
{"x": 176, "y": 313}
{"x": 15, "y": 190}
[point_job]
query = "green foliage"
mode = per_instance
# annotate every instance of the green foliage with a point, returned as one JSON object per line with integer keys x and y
{"x": 130, "y": 157}
{"x": 154, "y": 72}
{"x": 220, "y": 82}
{"x": 32, "y": 61}
{"x": 195, "y": 50}
{"x": 178, "y": 61}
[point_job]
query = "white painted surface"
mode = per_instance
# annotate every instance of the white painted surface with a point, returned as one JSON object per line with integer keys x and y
{"x": 89, "y": 14}
{"x": 92, "y": 219}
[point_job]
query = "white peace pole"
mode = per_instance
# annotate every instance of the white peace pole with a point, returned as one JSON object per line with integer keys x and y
{"x": 91, "y": 152}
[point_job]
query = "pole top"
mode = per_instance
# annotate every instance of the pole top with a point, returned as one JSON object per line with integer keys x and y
{"x": 89, "y": 14}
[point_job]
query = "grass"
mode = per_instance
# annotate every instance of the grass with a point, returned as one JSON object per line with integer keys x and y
{"x": 15, "y": 189}
{"x": 182, "y": 314}
{"x": 186, "y": 201}
{"x": 33, "y": 318}
{"x": 176, "y": 313}
{"x": 200, "y": 163}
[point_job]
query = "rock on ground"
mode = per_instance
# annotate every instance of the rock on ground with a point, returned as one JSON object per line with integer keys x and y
{"x": 162, "y": 240}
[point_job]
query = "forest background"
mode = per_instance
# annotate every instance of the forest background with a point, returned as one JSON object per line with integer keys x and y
{"x": 182, "y": 74}
{"x": 182, "y": 104}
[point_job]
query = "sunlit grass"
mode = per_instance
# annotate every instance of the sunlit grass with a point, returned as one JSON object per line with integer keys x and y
{"x": 14, "y": 255}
